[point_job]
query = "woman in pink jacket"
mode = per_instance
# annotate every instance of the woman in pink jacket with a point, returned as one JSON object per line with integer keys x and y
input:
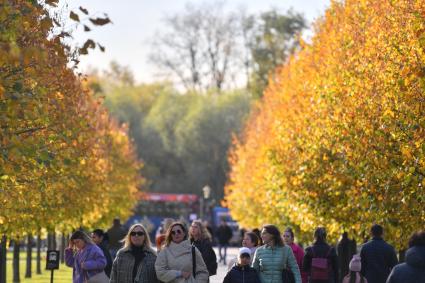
{"x": 288, "y": 239}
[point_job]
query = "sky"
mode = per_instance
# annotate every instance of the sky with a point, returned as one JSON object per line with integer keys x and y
{"x": 135, "y": 23}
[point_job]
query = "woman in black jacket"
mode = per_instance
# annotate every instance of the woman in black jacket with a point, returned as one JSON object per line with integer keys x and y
{"x": 320, "y": 251}
{"x": 201, "y": 238}
{"x": 99, "y": 237}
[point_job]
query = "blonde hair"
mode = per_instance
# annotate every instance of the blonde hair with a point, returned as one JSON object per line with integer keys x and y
{"x": 205, "y": 234}
{"x": 127, "y": 239}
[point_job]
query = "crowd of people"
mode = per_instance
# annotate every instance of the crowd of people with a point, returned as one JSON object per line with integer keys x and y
{"x": 184, "y": 254}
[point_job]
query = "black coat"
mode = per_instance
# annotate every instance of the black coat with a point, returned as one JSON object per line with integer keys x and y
{"x": 108, "y": 257}
{"x": 378, "y": 258}
{"x": 413, "y": 270}
{"x": 224, "y": 234}
{"x": 238, "y": 274}
{"x": 321, "y": 249}
{"x": 208, "y": 255}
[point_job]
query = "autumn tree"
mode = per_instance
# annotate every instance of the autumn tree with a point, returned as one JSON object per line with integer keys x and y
{"x": 338, "y": 137}
{"x": 64, "y": 162}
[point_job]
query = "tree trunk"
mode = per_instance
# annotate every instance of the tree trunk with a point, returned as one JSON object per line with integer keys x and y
{"x": 49, "y": 241}
{"x": 54, "y": 243}
{"x": 39, "y": 253}
{"x": 16, "y": 249}
{"x": 3, "y": 252}
{"x": 28, "y": 272}
{"x": 63, "y": 246}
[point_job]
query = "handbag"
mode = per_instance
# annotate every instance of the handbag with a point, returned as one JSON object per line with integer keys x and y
{"x": 287, "y": 275}
{"x": 98, "y": 278}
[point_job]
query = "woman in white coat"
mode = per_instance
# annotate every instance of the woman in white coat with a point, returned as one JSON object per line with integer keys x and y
{"x": 175, "y": 261}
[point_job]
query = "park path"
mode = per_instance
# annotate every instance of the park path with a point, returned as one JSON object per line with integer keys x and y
{"x": 222, "y": 269}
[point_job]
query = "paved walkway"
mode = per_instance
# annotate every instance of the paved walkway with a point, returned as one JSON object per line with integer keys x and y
{"x": 222, "y": 269}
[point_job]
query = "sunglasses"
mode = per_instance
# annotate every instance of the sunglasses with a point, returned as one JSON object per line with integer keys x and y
{"x": 140, "y": 233}
{"x": 174, "y": 232}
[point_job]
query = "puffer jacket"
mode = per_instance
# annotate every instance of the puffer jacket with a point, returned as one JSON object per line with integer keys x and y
{"x": 241, "y": 274}
{"x": 269, "y": 262}
{"x": 175, "y": 258}
{"x": 122, "y": 268}
{"x": 411, "y": 271}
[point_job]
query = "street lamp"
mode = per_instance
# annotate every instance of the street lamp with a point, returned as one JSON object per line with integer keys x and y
{"x": 206, "y": 195}
{"x": 207, "y": 191}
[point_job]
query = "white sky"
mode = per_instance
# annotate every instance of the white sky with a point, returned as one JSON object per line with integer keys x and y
{"x": 136, "y": 21}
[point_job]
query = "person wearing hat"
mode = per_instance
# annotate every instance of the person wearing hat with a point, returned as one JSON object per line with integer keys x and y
{"x": 354, "y": 276}
{"x": 242, "y": 272}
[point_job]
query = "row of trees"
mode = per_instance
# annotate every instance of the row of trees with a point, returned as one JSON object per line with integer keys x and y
{"x": 338, "y": 139}
{"x": 64, "y": 163}
{"x": 182, "y": 139}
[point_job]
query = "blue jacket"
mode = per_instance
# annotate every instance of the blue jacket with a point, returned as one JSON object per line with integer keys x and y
{"x": 269, "y": 262}
{"x": 378, "y": 258}
{"x": 241, "y": 274}
{"x": 413, "y": 270}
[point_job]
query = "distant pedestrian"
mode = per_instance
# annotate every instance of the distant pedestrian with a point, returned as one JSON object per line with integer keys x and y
{"x": 160, "y": 237}
{"x": 115, "y": 235}
{"x": 201, "y": 238}
{"x": 250, "y": 241}
{"x": 258, "y": 233}
{"x": 242, "y": 272}
{"x": 85, "y": 258}
{"x": 271, "y": 259}
{"x": 413, "y": 270}
{"x": 288, "y": 238}
{"x": 320, "y": 260}
{"x": 346, "y": 248}
{"x": 354, "y": 275}
{"x": 98, "y": 237}
{"x": 135, "y": 262}
{"x": 224, "y": 234}
{"x": 378, "y": 257}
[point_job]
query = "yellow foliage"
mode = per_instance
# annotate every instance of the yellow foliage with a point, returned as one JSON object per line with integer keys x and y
{"x": 338, "y": 138}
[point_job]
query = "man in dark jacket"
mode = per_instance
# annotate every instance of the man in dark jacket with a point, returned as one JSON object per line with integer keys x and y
{"x": 378, "y": 257}
{"x": 413, "y": 270}
{"x": 224, "y": 234}
{"x": 346, "y": 248}
{"x": 115, "y": 235}
{"x": 241, "y": 272}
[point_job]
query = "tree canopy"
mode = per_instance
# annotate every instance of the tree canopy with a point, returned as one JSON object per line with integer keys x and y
{"x": 338, "y": 139}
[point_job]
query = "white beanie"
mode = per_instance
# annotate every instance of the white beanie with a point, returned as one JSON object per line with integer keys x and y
{"x": 355, "y": 263}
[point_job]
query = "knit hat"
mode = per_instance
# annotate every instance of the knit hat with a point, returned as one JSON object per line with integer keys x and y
{"x": 355, "y": 263}
{"x": 243, "y": 251}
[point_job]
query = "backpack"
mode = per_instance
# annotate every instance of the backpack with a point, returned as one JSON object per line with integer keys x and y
{"x": 320, "y": 267}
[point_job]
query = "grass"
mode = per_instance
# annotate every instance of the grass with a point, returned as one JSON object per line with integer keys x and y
{"x": 62, "y": 275}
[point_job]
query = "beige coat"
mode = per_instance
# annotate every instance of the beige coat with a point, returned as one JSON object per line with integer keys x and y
{"x": 178, "y": 257}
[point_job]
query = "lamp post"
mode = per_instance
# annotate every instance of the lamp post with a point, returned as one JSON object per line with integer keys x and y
{"x": 206, "y": 195}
